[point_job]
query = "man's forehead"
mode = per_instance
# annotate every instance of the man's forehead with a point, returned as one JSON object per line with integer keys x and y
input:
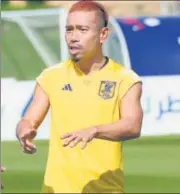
{"x": 83, "y": 12}
{"x": 82, "y": 16}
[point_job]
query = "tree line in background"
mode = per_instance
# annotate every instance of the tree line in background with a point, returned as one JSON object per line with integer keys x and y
{"x": 30, "y": 4}
{"x": 28, "y": 1}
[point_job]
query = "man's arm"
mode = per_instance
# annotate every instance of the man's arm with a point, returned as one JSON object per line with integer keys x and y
{"x": 129, "y": 126}
{"x": 27, "y": 126}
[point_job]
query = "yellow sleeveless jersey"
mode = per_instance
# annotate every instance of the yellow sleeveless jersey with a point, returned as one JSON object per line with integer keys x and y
{"x": 77, "y": 102}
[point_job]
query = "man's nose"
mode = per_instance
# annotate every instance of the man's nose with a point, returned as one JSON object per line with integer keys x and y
{"x": 75, "y": 36}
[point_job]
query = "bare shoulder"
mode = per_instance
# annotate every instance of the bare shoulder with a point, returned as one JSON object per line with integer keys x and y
{"x": 134, "y": 92}
{"x": 130, "y": 105}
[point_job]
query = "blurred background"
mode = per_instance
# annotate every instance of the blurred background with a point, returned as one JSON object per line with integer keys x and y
{"x": 144, "y": 36}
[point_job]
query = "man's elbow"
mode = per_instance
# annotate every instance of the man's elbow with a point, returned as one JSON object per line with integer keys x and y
{"x": 135, "y": 131}
{"x": 132, "y": 132}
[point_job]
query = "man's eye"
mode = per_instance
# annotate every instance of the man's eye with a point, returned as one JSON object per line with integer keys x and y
{"x": 83, "y": 30}
{"x": 68, "y": 30}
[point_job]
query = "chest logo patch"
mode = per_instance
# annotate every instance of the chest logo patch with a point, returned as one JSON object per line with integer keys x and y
{"x": 107, "y": 89}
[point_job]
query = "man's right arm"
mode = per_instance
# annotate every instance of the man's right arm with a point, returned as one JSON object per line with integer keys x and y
{"x": 27, "y": 127}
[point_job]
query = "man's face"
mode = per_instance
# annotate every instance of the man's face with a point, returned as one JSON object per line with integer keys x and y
{"x": 84, "y": 35}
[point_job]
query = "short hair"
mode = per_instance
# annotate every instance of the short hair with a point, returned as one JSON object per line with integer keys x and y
{"x": 88, "y": 5}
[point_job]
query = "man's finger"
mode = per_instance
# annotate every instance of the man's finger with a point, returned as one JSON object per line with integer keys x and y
{"x": 28, "y": 151}
{"x": 66, "y": 135}
{"x": 29, "y": 135}
{"x": 84, "y": 143}
{"x": 75, "y": 142}
{"x": 22, "y": 142}
{"x": 68, "y": 140}
{"x": 29, "y": 144}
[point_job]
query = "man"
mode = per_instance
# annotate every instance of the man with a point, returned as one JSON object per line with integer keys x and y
{"x": 95, "y": 104}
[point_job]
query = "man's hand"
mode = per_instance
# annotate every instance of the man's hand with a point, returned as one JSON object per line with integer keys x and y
{"x": 25, "y": 133}
{"x": 27, "y": 127}
{"x": 84, "y": 136}
{"x": 2, "y": 170}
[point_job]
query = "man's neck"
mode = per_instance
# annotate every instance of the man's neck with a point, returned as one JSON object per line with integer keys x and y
{"x": 88, "y": 66}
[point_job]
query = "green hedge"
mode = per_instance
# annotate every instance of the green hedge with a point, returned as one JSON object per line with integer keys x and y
{"x": 30, "y": 5}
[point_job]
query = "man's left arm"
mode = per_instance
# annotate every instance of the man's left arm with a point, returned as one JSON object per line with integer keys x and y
{"x": 129, "y": 126}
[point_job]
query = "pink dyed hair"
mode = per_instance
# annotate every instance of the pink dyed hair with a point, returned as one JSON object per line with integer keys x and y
{"x": 87, "y": 5}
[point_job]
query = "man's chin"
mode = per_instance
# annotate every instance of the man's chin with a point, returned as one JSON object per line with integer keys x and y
{"x": 75, "y": 58}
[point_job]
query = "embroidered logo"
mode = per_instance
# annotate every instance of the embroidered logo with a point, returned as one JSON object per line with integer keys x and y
{"x": 107, "y": 89}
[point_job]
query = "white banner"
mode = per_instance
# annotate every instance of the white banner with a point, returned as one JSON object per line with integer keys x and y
{"x": 160, "y": 100}
{"x": 161, "y": 104}
{"x": 14, "y": 98}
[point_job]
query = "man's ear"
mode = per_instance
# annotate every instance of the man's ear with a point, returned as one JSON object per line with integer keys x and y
{"x": 104, "y": 34}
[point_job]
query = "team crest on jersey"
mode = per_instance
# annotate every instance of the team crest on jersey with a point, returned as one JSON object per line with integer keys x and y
{"x": 107, "y": 89}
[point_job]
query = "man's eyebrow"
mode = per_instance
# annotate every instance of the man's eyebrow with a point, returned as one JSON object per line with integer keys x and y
{"x": 77, "y": 26}
{"x": 69, "y": 26}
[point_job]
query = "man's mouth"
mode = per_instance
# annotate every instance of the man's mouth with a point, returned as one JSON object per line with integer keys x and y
{"x": 74, "y": 49}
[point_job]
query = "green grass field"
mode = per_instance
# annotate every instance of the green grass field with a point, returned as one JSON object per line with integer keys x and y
{"x": 152, "y": 165}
